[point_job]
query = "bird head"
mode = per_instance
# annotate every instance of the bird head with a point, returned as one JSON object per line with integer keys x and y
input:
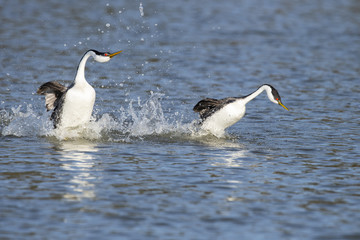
{"x": 275, "y": 97}
{"x": 103, "y": 56}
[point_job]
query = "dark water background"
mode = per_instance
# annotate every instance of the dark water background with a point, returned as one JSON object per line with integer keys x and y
{"x": 138, "y": 171}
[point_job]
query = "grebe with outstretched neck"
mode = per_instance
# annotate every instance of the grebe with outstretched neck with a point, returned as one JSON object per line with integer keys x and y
{"x": 219, "y": 114}
{"x": 73, "y": 105}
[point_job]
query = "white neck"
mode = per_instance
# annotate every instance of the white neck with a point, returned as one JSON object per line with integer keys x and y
{"x": 80, "y": 74}
{"x": 258, "y": 91}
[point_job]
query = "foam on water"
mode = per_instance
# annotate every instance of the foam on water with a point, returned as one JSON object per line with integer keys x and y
{"x": 137, "y": 120}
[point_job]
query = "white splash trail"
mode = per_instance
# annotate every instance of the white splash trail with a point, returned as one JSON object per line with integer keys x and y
{"x": 139, "y": 119}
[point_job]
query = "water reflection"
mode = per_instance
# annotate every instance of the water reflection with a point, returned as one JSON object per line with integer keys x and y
{"x": 78, "y": 160}
{"x": 232, "y": 155}
{"x": 230, "y": 159}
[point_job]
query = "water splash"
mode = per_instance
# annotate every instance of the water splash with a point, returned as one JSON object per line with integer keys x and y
{"x": 24, "y": 123}
{"x": 150, "y": 119}
{"x": 137, "y": 120}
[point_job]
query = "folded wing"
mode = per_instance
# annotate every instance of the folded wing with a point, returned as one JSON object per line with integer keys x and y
{"x": 208, "y": 106}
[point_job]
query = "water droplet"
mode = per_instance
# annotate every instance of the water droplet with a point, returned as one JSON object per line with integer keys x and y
{"x": 141, "y": 9}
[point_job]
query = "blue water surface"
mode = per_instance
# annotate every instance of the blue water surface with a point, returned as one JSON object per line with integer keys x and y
{"x": 139, "y": 170}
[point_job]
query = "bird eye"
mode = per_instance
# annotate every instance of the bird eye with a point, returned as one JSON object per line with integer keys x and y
{"x": 106, "y": 54}
{"x": 277, "y": 99}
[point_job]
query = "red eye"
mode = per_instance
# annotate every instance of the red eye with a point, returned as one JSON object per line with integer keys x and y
{"x": 105, "y": 54}
{"x": 277, "y": 99}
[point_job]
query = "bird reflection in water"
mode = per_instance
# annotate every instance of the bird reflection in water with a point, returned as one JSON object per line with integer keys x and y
{"x": 78, "y": 160}
{"x": 230, "y": 158}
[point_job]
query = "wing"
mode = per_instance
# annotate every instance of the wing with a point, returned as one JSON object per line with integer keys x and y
{"x": 56, "y": 114}
{"x": 208, "y": 106}
{"x": 53, "y": 92}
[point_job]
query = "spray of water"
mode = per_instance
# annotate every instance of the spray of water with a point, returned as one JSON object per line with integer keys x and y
{"x": 137, "y": 120}
{"x": 24, "y": 123}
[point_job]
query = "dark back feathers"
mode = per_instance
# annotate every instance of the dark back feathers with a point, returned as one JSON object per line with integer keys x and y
{"x": 208, "y": 106}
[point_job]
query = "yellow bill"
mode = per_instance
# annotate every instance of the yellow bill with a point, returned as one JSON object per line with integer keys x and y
{"x": 280, "y": 103}
{"x": 114, "y": 54}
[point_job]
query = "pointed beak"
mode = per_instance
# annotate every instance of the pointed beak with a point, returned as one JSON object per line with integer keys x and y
{"x": 114, "y": 54}
{"x": 280, "y": 103}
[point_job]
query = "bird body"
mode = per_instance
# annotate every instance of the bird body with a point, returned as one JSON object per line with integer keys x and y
{"x": 73, "y": 105}
{"x": 78, "y": 105}
{"x": 225, "y": 117}
{"x": 219, "y": 114}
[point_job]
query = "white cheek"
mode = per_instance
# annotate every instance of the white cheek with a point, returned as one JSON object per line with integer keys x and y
{"x": 102, "y": 59}
{"x": 272, "y": 99}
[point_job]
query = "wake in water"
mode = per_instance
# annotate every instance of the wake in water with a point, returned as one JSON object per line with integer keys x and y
{"x": 138, "y": 120}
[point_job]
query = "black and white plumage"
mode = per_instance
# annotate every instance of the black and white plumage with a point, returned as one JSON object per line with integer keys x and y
{"x": 73, "y": 105}
{"x": 219, "y": 114}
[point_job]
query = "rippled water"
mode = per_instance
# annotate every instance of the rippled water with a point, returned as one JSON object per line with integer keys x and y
{"x": 139, "y": 170}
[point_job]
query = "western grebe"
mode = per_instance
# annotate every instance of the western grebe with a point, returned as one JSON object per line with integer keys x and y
{"x": 73, "y": 105}
{"x": 219, "y": 114}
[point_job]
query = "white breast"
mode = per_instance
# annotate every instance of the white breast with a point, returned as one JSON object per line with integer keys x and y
{"x": 78, "y": 106}
{"x": 224, "y": 118}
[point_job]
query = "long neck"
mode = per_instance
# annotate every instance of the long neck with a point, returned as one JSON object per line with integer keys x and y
{"x": 80, "y": 74}
{"x": 257, "y": 92}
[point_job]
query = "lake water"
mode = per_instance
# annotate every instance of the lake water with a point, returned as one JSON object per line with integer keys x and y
{"x": 139, "y": 170}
